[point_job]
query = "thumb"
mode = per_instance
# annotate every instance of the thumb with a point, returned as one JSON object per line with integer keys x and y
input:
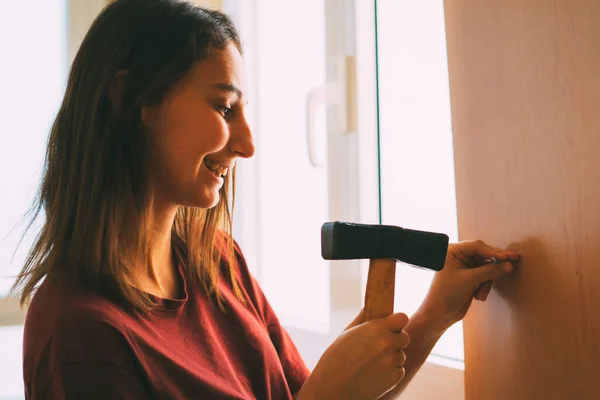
{"x": 360, "y": 318}
{"x": 490, "y": 272}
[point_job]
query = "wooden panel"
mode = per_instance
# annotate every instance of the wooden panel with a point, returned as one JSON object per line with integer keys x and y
{"x": 525, "y": 94}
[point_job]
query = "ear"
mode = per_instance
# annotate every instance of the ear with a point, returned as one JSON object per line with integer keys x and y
{"x": 116, "y": 90}
{"x": 148, "y": 117}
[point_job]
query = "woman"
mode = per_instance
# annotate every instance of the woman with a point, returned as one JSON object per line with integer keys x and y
{"x": 141, "y": 292}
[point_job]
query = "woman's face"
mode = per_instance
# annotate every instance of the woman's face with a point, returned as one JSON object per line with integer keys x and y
{"x": 199, "y": 131}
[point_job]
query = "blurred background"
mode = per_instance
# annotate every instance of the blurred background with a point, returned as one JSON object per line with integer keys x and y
{"x": 361, "y": 133}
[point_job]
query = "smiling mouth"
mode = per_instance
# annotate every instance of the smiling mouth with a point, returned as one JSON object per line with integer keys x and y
{"x": 216, "y": 169}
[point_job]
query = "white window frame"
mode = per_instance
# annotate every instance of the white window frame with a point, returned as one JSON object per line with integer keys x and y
{"x": 438, "y": 377}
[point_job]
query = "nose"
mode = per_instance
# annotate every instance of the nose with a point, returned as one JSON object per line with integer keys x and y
{"x": 240, "y": 139}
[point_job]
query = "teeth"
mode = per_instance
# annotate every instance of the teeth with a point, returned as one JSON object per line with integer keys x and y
{"x": 216, "y": 169}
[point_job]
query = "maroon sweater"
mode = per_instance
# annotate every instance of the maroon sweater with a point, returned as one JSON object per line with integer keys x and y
{"x": 80, "y": 345}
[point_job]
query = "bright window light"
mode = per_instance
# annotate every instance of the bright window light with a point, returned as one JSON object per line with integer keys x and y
{"x": 417, "y": 163}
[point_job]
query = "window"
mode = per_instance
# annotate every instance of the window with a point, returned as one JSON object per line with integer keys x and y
{"x": 417, "y": 164}
{"x": 283, "y": 197}
{"x": 11, "y": 372}
{"x": 32, "y": 78}
{"x": 299, "y": 178}
{"x": 407, "y": 80}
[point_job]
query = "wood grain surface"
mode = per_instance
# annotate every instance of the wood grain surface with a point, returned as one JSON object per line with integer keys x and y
{"x": 525, "y": 96}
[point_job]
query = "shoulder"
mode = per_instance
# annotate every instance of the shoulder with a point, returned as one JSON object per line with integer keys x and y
{"x": 232, "y": 258}
{"x": 240, "y": 263}
{"x": 251, "y": 287}
{"x": 67, "y": 323}
{"x": 72, "y": 337}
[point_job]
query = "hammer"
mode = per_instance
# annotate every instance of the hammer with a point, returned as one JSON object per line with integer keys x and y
{"x": 383, "y": 245}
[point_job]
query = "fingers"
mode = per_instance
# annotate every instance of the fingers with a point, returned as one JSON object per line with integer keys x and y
{"x": 401, "y": 340}
{"x": 490, "y": 272}
{"x": 400, "y": 375}
{"x": 480, "y": 249}
{"x": 483, "y": 291}
{"x": 396, "y": 322}
{"x": 400, "y": 358}
{"x": 505, "y": 254}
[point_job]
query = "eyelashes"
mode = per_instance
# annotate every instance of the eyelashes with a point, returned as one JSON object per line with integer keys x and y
{"x": 226, "y": 112}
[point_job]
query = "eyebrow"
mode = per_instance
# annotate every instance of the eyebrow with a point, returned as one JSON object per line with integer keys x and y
{"x": 228, "y": 87}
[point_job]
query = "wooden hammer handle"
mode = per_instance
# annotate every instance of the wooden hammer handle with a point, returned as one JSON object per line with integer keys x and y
{"x": 379, "y": 297}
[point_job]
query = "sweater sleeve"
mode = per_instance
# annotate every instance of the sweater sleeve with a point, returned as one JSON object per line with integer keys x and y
{"x": 294, "y": 367}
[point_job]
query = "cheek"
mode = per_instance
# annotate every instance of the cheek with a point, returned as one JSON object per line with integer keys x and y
{"x": 201, "y": 138}
{"x": 188, "y": 146}
{"x": 194, "y": 131}
{"x": 211, "y": 134}
{"x": 188, "y": 130}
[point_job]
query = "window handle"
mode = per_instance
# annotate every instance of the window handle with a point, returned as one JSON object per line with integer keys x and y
{"x": 341, "y": 93}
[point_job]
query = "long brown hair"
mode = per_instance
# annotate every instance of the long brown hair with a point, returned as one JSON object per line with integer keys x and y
{"x": 96, "y": 176}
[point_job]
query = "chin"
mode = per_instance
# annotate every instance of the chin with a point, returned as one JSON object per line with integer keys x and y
{"x": 203, "y": 197}
{"x": 207, "y": 200}
{"x": 213, "y": 204}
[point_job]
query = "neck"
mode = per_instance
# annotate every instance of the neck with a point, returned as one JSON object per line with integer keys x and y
{"x": 158, "y": 274}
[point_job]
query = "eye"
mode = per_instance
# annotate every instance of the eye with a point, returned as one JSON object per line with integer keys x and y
{"x": 224, "y": 111}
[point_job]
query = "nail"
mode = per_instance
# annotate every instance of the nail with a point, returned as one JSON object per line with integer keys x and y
{"x": 495, "y": 261}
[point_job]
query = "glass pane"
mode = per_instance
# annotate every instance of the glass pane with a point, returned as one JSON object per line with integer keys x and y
{"x": 285, "y": 50}
{"x": 11, "y": 370}
{"x": 417, "y": 164}
{"x": 32, "y": 78}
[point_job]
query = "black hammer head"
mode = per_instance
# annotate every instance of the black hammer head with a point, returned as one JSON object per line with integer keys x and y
{"x": 348, "y": 241}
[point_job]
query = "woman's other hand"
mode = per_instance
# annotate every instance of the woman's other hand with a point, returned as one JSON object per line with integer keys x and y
{"x": 364, "y": 362}
{"x": 467, "y": 275}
